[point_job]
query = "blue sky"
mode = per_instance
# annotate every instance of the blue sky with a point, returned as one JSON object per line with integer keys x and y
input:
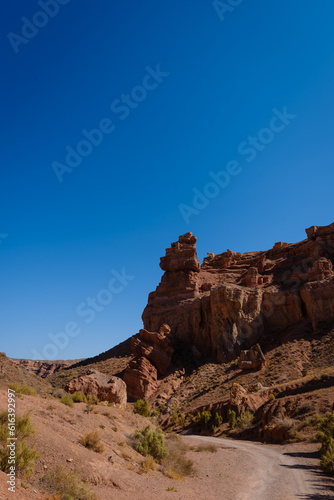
{"x": 201, "y": 84}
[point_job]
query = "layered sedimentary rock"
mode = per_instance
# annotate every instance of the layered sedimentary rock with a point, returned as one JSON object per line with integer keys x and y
{"x": 141, "y": 379}
{"x": 41, "y": 368}
{"x": 153, "y": 353}
{"x": 106, "y": 388}
{"x": 233, "y": 300}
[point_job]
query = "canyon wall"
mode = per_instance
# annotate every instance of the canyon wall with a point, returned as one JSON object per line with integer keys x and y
{"x": 233, "y": 300}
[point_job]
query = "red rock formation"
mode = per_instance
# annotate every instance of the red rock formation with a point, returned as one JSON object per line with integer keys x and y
{"x": 106, "y": 388}
{"x": 42, "y": 368}
{"x": 253, "y": 359}
{"x": 233, "y": 300}
{"x": 156, "y": 347}
{"x": 153, "y": 352}
{"x": 140, "y": 378}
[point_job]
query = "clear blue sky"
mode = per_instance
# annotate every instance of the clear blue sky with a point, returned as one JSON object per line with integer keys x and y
{"x": 203, "y": 84}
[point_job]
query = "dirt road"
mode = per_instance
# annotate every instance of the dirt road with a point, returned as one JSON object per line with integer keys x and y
{"x": 270, "y": 472}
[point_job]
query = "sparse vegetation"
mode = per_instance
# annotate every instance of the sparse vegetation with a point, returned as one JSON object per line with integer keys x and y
{"x": 92, "y": 441}
{"x": 150, "y": 442}
{"x": 148, "y": 464}
{"x": 325, "y": 436}
{"x": 201, "y": 419}
{"x": 245, "y": 419}
{"x": 23, "y": 389}
{"x": 211, "y": 448}
{"x": 232, "y": 419}
{"x": 25, "y": 456}
{"x": 67, "y": 400}
{"x": 78, "y": 397}
{"x": 142, "y": 408}
{"x": 176, "y": 465}
{"x": 66, "y": 484}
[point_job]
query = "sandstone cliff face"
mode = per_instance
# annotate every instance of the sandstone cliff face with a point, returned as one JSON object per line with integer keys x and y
{"x": 153, "y": 353}
{"x": 233, "y": 300}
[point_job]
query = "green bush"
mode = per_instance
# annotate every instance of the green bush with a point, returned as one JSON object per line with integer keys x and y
{"x": 142, "y": 408}
{"x": 149, "y": 442}
{"x": 325, "y": 436}
{"x": 66, "y": 484}
{"x": 67, "y": 400}
{"x": 78, "y": 397}
{"x": 25, "y": 457}
{"x": 245, "y": 419}
{"x": 92, "y": 399}
{"x": 201, "y": 419}
{"x": 92, "y": 441}
{"x": 232, "y": 419}
{"x": 23, "y": 389}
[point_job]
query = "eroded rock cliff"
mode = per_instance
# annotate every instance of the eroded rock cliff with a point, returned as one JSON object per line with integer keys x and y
{"x": 233, "y": 300}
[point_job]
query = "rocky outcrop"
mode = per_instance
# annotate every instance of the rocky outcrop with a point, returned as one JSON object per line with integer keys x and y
{"x": 141, "y": 379}
{"x": 156, "y": 347}
{"x": 242, "y": 400}
{"x": 253, "y": 359}
{"x": 42, "y": 368}
{"x": 235, "y": 300}
{"x": 153, "y": 353}
{"x": 106, "y": 388}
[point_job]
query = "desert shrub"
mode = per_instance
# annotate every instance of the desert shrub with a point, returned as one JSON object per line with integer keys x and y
{"x": 178, "y": 418}
{"x": 66, "y": 484}
{"x": 142, "y": 408}
{"x": 25, "y": 456}
{"x": 149, "y": 442}
{"x": 23, "y": 389}
{"x": 245, "y": 419}
{"x": 78, "y": 397}
{"x": 176, "y": 465}
{"x": 92, "y": 441}
{"x": 92, "y": 399}
{"x": 325, "y": 436}
{"x": 201, "y": 419}
{"x": 59, "y": 393}
{"x": 211, "y": 448}
{"x": 148, "y": 464}
{"x": 67, "y": 400}
{"x": 232, "y": 419}
{"x": 218, "y": 420}
{"x": 158, "y": 410}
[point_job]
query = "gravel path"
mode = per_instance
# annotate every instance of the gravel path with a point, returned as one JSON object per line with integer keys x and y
{"x": 263, "y": 472}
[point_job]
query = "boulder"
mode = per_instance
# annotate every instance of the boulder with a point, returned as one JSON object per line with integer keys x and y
{"x": 106, "y": 388}
{"x": 253, "y": 359}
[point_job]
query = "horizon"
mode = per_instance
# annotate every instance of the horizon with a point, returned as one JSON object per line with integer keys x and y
{"x": 125, "y": 126}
